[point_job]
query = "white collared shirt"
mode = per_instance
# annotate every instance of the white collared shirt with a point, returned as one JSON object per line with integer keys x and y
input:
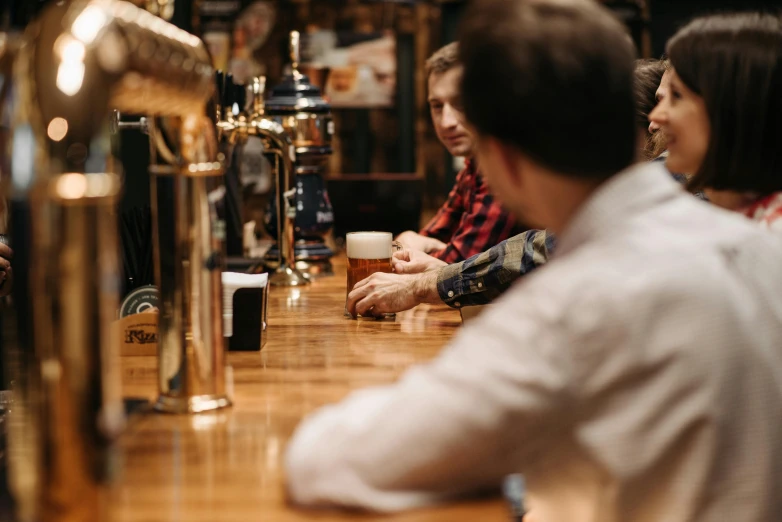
{"x": 636, "y": 377}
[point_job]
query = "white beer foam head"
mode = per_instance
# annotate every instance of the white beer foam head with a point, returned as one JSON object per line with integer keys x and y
{"x": 369, "y": 245}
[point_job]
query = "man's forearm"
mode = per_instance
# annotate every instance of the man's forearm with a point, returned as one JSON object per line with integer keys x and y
{"x": 415, "y": 443}
{"x": 425, "y": 287}
{"x": 485, "y": 276}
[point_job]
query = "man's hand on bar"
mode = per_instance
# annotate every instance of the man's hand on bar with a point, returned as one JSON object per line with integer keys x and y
{"x": 383, "y": 293}
{"x": 409, "y": 261}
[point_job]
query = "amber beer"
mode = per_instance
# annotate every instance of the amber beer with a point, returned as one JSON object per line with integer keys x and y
{"x": 368, "y": 252}
{"x": 360, "y": 269}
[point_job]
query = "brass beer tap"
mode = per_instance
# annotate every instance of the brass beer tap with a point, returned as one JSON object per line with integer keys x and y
{"x": 77, "y": 62}
{"x": 279, "y": 148}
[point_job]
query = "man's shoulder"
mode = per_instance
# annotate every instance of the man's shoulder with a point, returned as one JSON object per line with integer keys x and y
{"x": 622, "y": 274}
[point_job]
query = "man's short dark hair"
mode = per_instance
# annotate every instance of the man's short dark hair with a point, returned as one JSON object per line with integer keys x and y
{"x": 443, "y": 60}
{"x": 553, "y": 78}
{"x": 734, "y": 62}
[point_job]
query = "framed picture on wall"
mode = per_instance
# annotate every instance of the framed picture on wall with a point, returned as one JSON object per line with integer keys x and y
{"x": 359, "y": 70}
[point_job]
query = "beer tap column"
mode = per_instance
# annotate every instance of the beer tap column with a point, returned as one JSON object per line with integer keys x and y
{"x": 78, "y": 61}
{"x": 279, "y": 148}
{"x": 188, "y": 255}
{"x": 303, "y": 112}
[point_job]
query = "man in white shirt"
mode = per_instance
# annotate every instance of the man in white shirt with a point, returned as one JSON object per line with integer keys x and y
{"x": 636, "y": 377}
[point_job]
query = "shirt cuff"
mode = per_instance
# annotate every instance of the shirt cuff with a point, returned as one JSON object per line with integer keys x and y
{"x": 450, "y": 284}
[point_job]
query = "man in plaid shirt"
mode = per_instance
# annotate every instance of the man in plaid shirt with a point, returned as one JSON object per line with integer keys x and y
{"x": 472, "y": 220}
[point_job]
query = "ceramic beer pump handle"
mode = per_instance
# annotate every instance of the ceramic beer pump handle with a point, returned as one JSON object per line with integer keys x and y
{"x": 295, "y": 51}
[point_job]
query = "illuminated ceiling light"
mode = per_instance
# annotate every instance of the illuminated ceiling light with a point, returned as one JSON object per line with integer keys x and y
{"x": 71, "y": 186}
{"x": 69, "y": 49}
{"x": 58, "y": 129}
{"x": 88, "y": 24}
{"x": 98, "y": 185}
{"x": 70, "y": 73}
{"x": 70, "y": 76}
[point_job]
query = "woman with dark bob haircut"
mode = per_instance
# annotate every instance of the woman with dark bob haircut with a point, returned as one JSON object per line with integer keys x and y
{"x": 723, "y": 117}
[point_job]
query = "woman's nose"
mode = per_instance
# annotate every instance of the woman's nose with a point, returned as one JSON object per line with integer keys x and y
{"x": 657, "y": 119}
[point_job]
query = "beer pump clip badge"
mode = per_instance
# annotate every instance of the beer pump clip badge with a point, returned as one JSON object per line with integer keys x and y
{"x": 138, "y": 323}
{"x": 143, "y": 299}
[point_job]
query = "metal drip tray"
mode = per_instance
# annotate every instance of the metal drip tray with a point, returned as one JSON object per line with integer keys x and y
{"x": 304, "y": 251}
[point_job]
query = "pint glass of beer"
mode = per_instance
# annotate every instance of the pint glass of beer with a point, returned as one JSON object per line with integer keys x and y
{"x": 368, "y": 252}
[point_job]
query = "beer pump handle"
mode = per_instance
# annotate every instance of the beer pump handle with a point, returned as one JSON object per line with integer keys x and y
{"x": 290, "y": 203}
{"x": 295, "y": 52}
{"x": 254, "y": 96}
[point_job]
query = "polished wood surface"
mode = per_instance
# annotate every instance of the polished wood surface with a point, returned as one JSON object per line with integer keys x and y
{"x": 227, "y": 466}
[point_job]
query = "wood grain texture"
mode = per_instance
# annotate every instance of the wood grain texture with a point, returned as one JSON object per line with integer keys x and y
{"x": 227, "y": 466}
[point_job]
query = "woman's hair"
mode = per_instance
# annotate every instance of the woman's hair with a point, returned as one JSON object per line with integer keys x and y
{"x": 648, "y": 73}
{"x": 734, "y": 62}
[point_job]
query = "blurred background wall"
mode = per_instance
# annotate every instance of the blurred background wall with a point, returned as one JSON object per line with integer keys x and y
{"x": 388, "y": 170}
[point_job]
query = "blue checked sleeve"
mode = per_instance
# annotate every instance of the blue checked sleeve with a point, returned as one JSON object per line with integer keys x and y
{"x": 485, "y": 276}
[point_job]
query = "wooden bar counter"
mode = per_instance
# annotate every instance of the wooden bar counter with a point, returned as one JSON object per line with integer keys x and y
{"x": 227, "y": 465}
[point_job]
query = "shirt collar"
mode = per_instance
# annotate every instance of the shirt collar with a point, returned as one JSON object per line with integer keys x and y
{"x": 761, "y": 202}
{"x": 626, "y": 194}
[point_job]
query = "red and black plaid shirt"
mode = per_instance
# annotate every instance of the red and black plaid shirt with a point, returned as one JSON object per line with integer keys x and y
{"x": 471, "y": 221}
